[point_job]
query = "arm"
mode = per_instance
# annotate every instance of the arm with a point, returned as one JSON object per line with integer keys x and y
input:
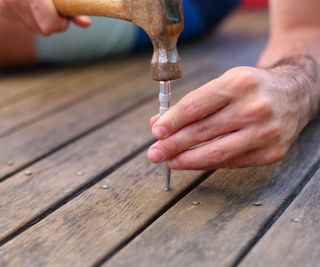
{"x": 250, "y": 116}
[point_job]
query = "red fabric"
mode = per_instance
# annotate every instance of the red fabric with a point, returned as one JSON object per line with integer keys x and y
{"x": 255, "y": 3}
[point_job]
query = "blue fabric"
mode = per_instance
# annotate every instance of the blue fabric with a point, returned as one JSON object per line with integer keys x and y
{"x": 200, "y": 17}
{"x": 109, "y": 37}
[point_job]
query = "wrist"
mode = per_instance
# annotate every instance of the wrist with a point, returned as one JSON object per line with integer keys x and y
{"x": 299, "y": 79}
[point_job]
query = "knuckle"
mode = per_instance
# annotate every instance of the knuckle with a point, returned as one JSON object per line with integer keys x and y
{"x": 171, "y": 145}
{"x": 217, "y": 155}
{"x": 270, "y": 133}
{"x": 52, "y": 26}
{"x": 201, "y": 132}
{"x": 247, "y": 79}
{"x": 277, "y": 154}
{"x": 260, "y": 108}
{"x": 244, "y": 80}
{"x": 265, "y": 106}
{"x": 189, "y": 106}
{"x": 184, "y": 162}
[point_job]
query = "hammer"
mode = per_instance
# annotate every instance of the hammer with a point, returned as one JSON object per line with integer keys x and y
{"x": 162, "y": 20}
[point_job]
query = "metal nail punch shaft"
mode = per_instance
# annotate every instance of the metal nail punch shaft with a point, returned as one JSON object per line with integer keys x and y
{"x": 165, "y": 98}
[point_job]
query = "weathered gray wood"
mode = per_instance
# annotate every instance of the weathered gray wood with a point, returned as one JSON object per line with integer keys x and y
{"x": 23, "y": 197}
{"x": 52, "y": 95}
{"x": 18, "y": 86}
{"x": 290, "y": 242}
{"x": 215, "y": 232}
{"x": 98, "y": 220}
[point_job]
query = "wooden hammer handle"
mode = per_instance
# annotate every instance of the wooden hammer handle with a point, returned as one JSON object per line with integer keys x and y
{"x": 109, "y": 8}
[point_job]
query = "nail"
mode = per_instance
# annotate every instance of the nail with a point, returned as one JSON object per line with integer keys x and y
{"x": 258, "y": 203}
{"x": 28, "y": 173}
{"x": 159, "y": 132}
{"x": 195, "y": 203}
{"x": 156, "y": 155}
{"x": 80, "y": 173}
{"x": 10, "y": 163}
{"x": 295, "y": 220}
{"x": 105, "y": 186}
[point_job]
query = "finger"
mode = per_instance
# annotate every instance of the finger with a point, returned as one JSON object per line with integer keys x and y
{"x": 47, "y": 17}
{"x": 223, "y": 122}
{"x": 233, "y": 117}
{"x": 259, "y": 157}
{"x": 194, "y": 106}
{"x": 154, "y": 119}
{"x": 214, "y": 154}
{"x": 82, "y": 21}
{"x": 23, "y": 12}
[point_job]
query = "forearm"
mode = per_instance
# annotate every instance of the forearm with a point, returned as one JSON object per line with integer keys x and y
{"x": 293, "y": 53}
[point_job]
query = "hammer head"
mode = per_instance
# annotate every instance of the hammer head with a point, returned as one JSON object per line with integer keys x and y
{"x": 163, "y": 22}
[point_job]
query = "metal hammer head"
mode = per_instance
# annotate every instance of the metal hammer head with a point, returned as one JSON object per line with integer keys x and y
{"x": 163, "y": 21}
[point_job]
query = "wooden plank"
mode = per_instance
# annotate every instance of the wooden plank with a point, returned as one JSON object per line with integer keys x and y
{"x": 219, "y": 229}
{"x": 17, "y": 86}
{"x": 24, "y": 197}
{"x": 52, "y": 96}
{"x": 97, "y": 221}
{"x": 290, "y": 242}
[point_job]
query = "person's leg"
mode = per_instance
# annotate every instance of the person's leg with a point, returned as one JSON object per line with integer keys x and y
{"x": 109, "y": 36}
{"x": 105, "y": 37}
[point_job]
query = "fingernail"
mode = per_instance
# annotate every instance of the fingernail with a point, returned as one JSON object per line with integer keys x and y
{"x": 159, "y": 132}
{"x": 156, "y": 155}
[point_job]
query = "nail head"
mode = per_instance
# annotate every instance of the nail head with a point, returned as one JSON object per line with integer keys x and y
{"x": 295, "y": 220}
{"x": 195, "y": 203}
{"x": 10, "y": 163}
{"x": 28, "y": 173}
{"x": 258, "y": 203}
{"x": 105, "y": 186}
{"x": 80, "y": 173}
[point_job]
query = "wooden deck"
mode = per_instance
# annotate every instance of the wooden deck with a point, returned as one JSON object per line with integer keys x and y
{"x": 76, "y": 188}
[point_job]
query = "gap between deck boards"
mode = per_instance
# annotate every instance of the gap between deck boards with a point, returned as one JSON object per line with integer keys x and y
{"x": 142, "y": 101}
{"x": 274, "y": 217}
{"x": 80, "y": 136}
{"x": 82, "y": 97}
{"x": 151, "y": 220}
{"x": 60, "y": 203}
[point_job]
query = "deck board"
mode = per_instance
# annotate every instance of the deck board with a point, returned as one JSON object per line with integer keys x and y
{"x": 290, "y": 242}
{"x": 77, "y": 130}
{"x": 53, "y": 95}
{"x": 99, "y": 220}
{"x": 226, "y": 222}
{"x": 23, "y": 198}
{"x": 20, "y": 85}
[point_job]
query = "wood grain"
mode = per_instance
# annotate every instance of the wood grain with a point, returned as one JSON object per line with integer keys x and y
{"x": 219, "y": 229}
{"x": 98, "y": 220}
{"x": 65, "y": 90}
{"x": 19, "y": 86}
{"x": 290, "y": 243}
{"x": 23, "y": 197}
